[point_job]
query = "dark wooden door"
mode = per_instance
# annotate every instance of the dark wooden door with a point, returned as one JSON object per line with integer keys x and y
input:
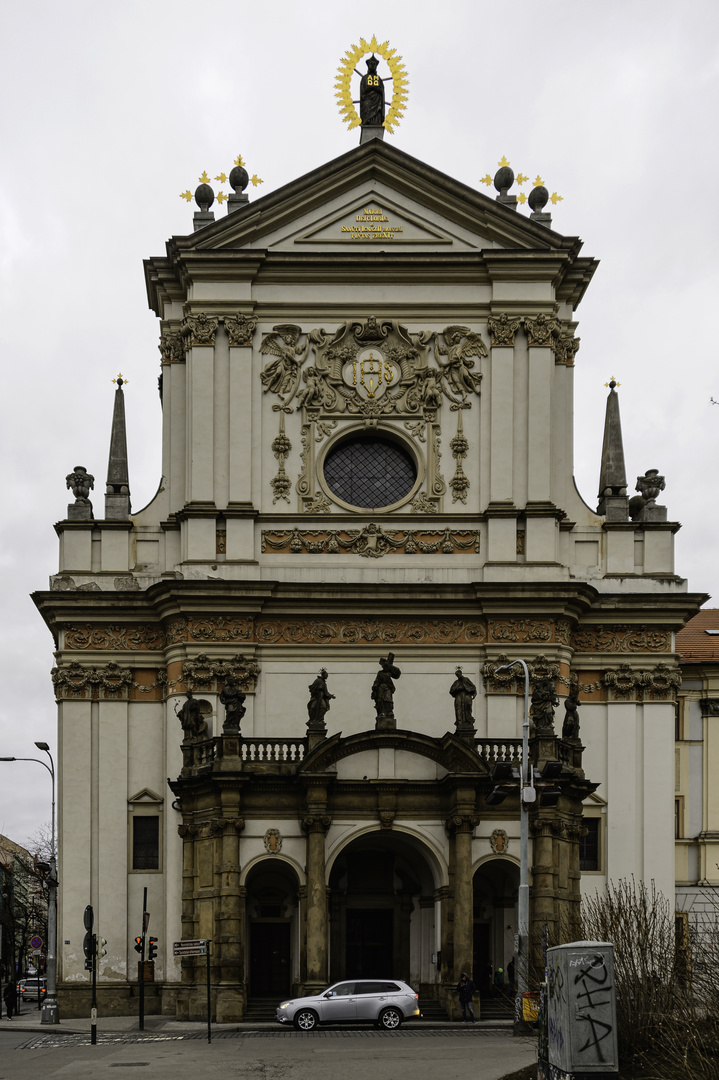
{"x": 370, "y": 941}
{"x": 269, "y": 959}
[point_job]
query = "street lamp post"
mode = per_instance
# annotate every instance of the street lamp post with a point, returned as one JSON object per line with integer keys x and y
{"x": 527, "y": 795}
{"x": 50, "y": 1009}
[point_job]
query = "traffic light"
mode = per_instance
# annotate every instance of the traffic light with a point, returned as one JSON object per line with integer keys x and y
{"x": 138, "y": 944}
{"x": 100, "y": 947}
{"x": 88, "y": 947}
{"x": 152, "y": 950}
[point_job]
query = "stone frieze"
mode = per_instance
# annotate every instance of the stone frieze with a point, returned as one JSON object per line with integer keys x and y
{"x": 371, "y": 542}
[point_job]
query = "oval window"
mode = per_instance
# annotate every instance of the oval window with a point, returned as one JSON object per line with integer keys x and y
{"x": 370, "y": 473}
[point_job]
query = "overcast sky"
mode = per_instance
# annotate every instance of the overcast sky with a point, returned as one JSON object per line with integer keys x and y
{"x": 110, "y": 111}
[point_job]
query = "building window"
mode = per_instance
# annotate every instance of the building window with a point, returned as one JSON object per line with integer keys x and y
{"x": 589, "y": 849}
{"x": 679, "y": 817}
{"x": 370, "y": 473}
{"x": 145, "y": 842}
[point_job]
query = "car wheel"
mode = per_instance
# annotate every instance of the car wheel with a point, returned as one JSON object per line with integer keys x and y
{"x": 305, "y": 1020}
{"x": 390, "y": 1019}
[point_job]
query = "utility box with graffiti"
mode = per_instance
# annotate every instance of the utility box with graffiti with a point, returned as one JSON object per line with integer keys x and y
{"x": 582, "y": 1008}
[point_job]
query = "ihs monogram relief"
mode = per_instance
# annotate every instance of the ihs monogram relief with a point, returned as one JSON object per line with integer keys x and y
{"x": 372, "y": 371}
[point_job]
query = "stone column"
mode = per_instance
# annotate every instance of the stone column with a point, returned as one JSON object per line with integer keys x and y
{"x": 445, "y": 965}
{"x": 229, "y": 991}
{"x": 462, "y": 827}
{"x": 188, "y": 834}
{"x": 302, "y": 897}
{"x": 316, "y": 827}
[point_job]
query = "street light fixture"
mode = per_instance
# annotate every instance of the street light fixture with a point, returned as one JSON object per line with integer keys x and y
{"x": 50, "y": 1009}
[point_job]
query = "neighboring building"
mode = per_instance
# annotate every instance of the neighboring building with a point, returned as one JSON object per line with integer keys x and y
{"x": 23, "y": 909}
{"x": 367, "y": 384}
{"x": 696, "y": 792}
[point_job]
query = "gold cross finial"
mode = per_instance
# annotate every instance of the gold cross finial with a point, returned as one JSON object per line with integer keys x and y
{"x": 612, "y": 382}
{"x": 120, "y": 380}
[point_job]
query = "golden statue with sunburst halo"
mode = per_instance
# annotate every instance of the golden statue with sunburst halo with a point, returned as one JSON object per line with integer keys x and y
{"x": 371, "y": 93}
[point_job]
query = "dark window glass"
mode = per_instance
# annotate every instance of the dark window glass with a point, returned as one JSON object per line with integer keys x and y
{"x": 376, "y": 988}
{"x": 343, "y": 990}
{"x": 370, "y": 473}
{"x": 146, "y": 843}
{"x": 589, "y": 845}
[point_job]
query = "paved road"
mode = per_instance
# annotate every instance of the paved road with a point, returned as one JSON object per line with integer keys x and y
{"x": 356, "y": 1054}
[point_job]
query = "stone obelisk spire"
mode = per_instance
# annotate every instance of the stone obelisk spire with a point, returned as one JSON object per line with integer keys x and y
{"x": 613, "y": 501}
{"x": 117, "y": 492}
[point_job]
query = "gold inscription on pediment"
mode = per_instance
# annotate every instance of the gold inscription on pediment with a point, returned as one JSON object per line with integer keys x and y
{"x": 372, "y": 224}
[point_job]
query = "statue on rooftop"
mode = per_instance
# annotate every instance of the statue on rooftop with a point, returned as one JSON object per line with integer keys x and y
{"x": 80, "y": 481}
{"x": 372, "y": 96}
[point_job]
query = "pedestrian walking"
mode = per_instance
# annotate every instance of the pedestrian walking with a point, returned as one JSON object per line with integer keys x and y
{"x": 10, "y": 996}
{"x": 510, "y": 975}
{"x": 465, "y": 989}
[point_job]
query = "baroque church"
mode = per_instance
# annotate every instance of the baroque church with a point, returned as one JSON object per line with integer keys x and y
{"x": 283, "y": 686}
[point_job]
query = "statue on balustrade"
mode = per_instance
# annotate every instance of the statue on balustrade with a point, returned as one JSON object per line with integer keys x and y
{"x": 464, "y": 692}
{"x": 191, "y": 717}
{"x": 570, "y": 727}
{"x": 319, "y": 702}
{"x": 233, "y": 700}
{"x": 383, "y": 687}
{"x": 544, "y": 701}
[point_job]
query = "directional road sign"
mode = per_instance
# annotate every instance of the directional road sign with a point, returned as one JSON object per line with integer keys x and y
{"x": 193, "y": 947}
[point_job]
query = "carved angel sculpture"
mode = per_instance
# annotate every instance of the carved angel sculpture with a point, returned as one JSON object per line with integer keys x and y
{"x": 460, "y": 345}
{"x": 280, "y": 375}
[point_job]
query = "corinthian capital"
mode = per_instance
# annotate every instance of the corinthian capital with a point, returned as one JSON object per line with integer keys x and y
{"x": 541, "y": 330}
{"x": 199, "y": 329}
{"x": 240, "y": 329}
{"x": 503, "y": 328}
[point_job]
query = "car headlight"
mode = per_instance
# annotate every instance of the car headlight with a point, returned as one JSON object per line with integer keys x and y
{"x": 285, "y": 1005}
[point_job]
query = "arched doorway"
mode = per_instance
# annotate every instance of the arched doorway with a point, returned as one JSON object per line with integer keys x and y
{"x": 272, "y": 906}
{"x": 495, "y": 889}
{"x": 382, "y": 910}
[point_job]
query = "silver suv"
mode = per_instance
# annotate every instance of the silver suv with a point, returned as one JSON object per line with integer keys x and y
{"x": 383, "y": 1002}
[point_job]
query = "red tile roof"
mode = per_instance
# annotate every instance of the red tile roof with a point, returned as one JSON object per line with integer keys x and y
{"x": 694, "y": 644}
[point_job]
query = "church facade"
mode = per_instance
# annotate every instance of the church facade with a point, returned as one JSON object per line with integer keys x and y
{"x": 279, "y": 699}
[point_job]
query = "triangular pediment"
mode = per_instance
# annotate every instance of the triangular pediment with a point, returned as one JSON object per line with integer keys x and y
{"x": 415, "y": 205}
{"x": 373, "y": 199}
{"x": 146, "y": 797}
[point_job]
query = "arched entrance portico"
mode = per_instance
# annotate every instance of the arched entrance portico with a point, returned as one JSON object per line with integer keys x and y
{"x": 272, "y": 908}
{"x": 382, "y": 910}
{"x": 495, "y": 890}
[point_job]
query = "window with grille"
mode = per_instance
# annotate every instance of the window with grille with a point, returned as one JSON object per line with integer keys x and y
{"x": 370, "y": 473}
{"x": 589, "y": 845}
{"x": 145, "y": 842}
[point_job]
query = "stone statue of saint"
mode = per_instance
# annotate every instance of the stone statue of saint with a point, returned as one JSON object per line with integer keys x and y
{"x": 190, "y": 716}
{"x": 233, "y": 700}
{"x": 464, "y": 692}
{"x": 80, "y": 481}
{"x": 372, "y": 96}
{"x": 383, "y": 687}
{"x": 319, "y": 702}
{"x": 544, "y": 700}
{"x": 570, "y": 727}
